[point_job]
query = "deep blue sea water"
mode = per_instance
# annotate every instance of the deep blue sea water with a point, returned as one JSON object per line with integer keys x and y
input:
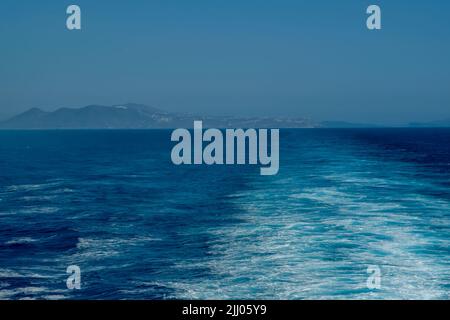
{"x": 139, "y": 227}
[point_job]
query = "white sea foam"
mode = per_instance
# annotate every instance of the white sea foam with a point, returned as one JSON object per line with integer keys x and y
{"x": 8, "y": 273}
{"x": 31, "y": 187}
{"x": 38, "y": 210}
{"x": 22, "y": 240}
{"x": 95, "y": 248}
{"x": 288, "y": 254}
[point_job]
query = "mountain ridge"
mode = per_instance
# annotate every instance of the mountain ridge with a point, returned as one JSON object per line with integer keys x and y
{"x": 137, "y": 116}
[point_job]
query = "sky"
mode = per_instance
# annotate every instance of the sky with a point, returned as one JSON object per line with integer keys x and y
{"x": 314, "y": 59}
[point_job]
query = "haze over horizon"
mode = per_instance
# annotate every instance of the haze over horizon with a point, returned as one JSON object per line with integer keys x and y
{"x": 271, "y": 58}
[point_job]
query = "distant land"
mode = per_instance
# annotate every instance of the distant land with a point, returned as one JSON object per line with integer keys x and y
{"x": 343, "y": 124}
{"x": 138, "y": 116}
{"x": 433, "y": 124}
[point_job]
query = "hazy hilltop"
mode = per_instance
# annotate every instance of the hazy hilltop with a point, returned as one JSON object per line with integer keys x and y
{"x": 137, "y": 116}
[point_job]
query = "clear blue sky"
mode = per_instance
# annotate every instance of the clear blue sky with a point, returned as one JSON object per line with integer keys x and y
{"x": 231, "y": 57}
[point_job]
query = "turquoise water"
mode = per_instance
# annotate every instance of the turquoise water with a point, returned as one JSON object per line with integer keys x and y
{"x": 139, "y": 227}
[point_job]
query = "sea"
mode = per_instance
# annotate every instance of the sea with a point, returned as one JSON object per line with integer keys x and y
{"x": 349, "y": 208}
